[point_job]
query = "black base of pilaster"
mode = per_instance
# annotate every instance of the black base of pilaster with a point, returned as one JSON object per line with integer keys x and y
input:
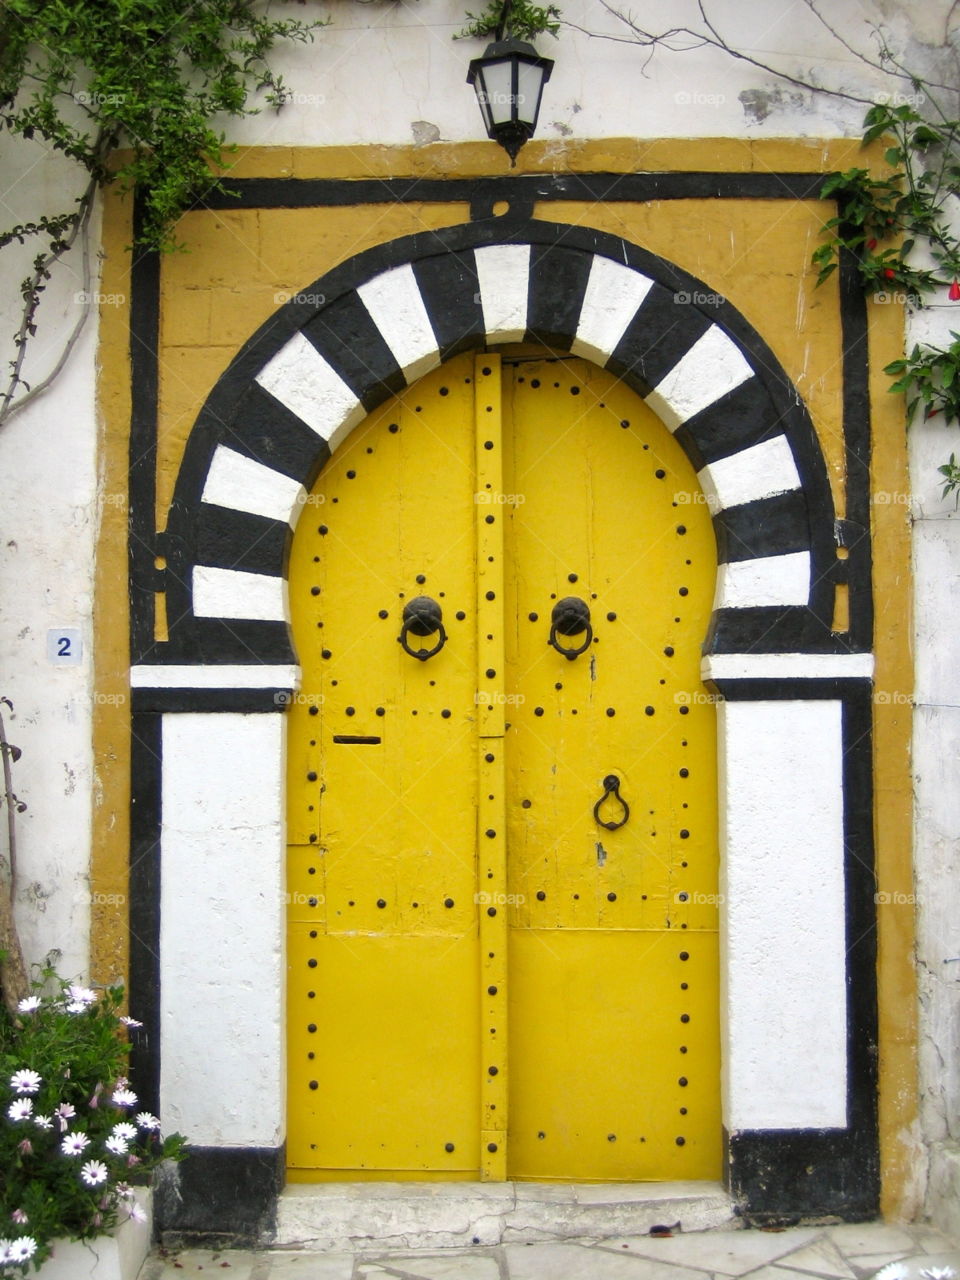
{"x": 220, "y": 1197}
{"x": 780, "y": 1179}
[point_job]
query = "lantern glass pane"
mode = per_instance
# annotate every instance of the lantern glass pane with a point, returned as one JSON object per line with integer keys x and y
{"x": 498, "y": 89}
{"x": 529, "y": 89}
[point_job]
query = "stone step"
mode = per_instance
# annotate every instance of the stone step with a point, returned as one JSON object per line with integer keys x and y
{"x": 440, "y": 1215}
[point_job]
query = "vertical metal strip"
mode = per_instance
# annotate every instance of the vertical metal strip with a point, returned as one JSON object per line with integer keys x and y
{"x": 491, "y": 806}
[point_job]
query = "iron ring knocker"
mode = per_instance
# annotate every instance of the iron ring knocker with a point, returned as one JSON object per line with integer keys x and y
{"x": 611, "y": 787}
{"x": 570, "y": 617}
{"x": 422, "y": 617}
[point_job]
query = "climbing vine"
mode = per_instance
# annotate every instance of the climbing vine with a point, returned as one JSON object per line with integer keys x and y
{"x": 150, "y": 77}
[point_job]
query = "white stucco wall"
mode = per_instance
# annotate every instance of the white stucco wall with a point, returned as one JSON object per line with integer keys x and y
{"x": 48, "y": 522}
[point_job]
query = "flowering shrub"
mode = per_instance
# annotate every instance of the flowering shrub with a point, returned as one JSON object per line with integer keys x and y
{"x": 73, "y": 1142}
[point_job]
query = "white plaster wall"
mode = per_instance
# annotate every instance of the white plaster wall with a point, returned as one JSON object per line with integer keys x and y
{"x": 783, "y": 934}
{"x": 48, "y": 521}
{"x": 412, "y": 85}
{"x": 222, "y": 923}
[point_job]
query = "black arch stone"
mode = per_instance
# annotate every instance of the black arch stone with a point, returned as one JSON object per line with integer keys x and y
{"x": 346, "y": 336}
{"x": 658, "y": 337}
{"x": 558, "y": 282}
{"x": 770, "y": 526}
{"x": 450, "y": 290}
{"x": 262, "y": 428}
{"x": 743, "y": 417}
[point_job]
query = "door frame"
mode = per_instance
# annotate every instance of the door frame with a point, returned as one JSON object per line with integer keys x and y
{"x": 794, "y": 721}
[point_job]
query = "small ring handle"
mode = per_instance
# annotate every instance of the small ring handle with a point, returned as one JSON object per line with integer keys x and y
{"x": 611, "y": 787}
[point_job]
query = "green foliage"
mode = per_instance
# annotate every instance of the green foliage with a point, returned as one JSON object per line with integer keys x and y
{"x": 930, "y": 376}
{"x": 150, "y": 76}
{"x": 880, "y": 220}
{"x": 503, "y": 19}
{"x": 76, "y": 1044}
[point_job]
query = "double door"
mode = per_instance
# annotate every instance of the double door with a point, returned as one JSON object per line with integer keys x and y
{"x": 502, "y": 860}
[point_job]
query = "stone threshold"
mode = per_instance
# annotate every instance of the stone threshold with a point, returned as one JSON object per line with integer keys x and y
{"x": 360, "y": 1216}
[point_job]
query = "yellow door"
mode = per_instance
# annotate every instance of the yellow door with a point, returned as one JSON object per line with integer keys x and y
{"x": 502, "y": 791}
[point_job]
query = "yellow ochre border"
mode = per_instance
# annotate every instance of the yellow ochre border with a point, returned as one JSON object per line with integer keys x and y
{"x": 891, "y": 560}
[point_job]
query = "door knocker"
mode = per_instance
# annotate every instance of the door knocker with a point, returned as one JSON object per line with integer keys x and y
{"x": 422, "y": 617}
{"x": 570, "y": 617}
{"x": 611, "y": 787}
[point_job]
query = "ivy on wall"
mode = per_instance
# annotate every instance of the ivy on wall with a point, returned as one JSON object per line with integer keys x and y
{"x": 150, "y": 76}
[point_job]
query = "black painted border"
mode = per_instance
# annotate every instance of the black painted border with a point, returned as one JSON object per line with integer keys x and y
{"x": 221, "y": 1197}
{"x": 146, "y": 788}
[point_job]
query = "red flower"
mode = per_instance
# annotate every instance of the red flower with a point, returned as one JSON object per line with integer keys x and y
{"x": 954, "y": 294}
{"x": 871, "y": 244}
{"x": 890, "y": 273}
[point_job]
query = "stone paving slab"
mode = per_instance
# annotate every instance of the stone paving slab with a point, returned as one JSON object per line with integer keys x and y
{"x": 846, "y": 1252}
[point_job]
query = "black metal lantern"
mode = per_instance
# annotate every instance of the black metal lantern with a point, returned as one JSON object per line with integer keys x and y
{"x": 509, "y": 81}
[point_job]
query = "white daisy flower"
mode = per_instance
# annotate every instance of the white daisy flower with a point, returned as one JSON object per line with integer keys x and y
{"x": 29, "y": 1005}
{"x": 21, "y": 1109}
{"x": 146, "y": 1121}
{"x": 136, "y": 1213}
{"x": 21, "y": 1249}
{"x": 124, "y": 1130}
{"x": 130, "y": 1022}
{"x": 117, "y": 1146}
{"x": 124, "y": 1098}
{"x": 939, "y": 1273}
{"x": 25, "y": 1081}
{"x": 43, "y": 1122}
{"x": 74, "y": 1143}
{"x": 124, "y": 1190}
{"x": 80, "y": 995}
{"x": 76, "y": 1006}
{"x": 94, "y": 1172}
{"x": 5, "y": 1251}
{"x": 19, "y": 1216}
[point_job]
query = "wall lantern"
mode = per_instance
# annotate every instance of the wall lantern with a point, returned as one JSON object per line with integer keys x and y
{"x": 509, "y": 81}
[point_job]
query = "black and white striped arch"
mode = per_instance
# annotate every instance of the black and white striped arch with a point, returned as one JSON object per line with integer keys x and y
{"x": 382, "y": 321}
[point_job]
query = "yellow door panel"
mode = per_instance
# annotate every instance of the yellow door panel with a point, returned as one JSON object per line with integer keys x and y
{"x": 607, "y": 1083}
{"x": 618, "y": 733}
{"x": 382, "y": 797}
{"x": 502, "y": 866}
